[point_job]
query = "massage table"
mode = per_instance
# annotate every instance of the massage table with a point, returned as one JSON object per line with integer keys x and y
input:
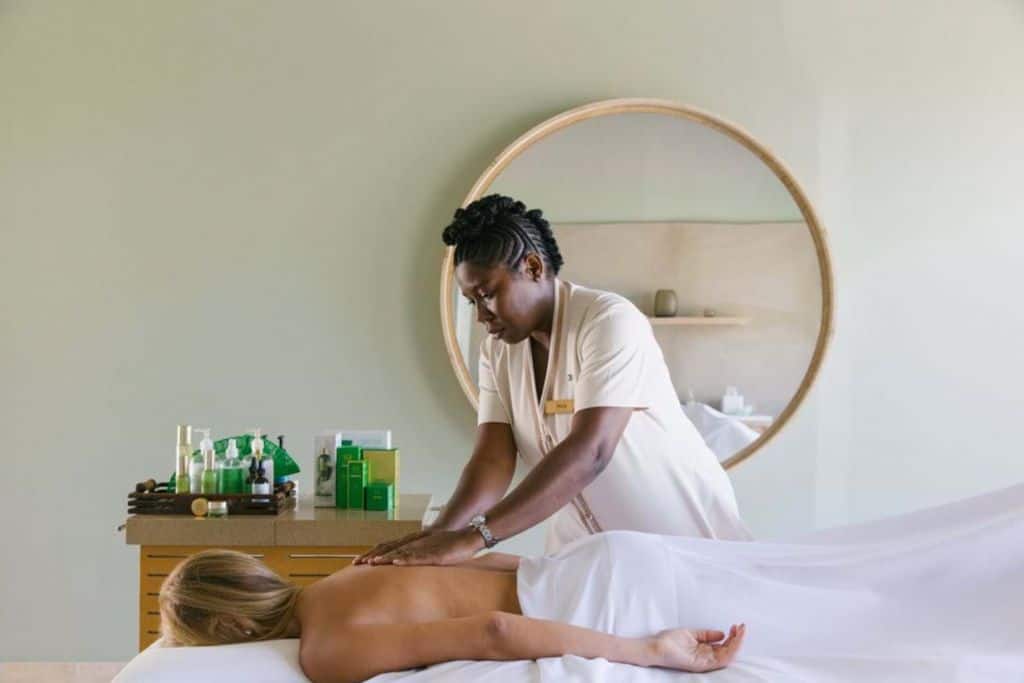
{"x": 994, "y": 521}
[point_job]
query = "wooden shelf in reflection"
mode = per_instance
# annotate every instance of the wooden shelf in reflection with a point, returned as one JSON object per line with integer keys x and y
{"x": 698, "y": 320}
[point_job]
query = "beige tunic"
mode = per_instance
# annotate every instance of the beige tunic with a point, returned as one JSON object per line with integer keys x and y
{"x": 662, "y": 477}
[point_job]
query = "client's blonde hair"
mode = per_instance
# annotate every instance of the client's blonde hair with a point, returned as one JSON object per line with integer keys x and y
{"x": 224, "y": 596}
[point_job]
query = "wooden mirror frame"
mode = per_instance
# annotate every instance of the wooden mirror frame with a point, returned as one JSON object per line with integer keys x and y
{"x": 669, "y": 108}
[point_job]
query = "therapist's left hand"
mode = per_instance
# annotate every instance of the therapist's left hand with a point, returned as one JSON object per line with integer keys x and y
{"x": 439, "y": 548}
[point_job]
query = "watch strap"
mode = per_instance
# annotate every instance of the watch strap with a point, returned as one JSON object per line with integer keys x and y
{"x": 480, "y": 524}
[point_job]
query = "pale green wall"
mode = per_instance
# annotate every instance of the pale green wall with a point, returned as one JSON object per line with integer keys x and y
{"x": 172, "y": 171}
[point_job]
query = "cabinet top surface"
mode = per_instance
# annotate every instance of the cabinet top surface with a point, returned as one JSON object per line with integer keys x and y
{"x": 303, "y": 525}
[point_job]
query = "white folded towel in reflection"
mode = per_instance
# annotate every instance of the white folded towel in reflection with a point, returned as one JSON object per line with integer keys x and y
{"x": 724, "y": 434}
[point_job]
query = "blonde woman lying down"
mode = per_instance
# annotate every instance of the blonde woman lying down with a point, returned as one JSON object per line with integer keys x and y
{"x": 366, "y": 620}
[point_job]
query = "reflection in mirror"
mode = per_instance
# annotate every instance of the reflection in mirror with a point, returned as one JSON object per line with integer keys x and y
{"x": 643, "y": 202}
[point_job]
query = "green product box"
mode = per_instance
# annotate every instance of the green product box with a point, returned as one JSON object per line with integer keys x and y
{"x": 380, "y": 495}
{"x": 384, "y": 465}
{"x": 345, "y": 453}
{"x": 358, "y": 477}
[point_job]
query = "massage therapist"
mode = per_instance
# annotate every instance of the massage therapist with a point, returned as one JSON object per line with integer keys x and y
{"x": 572, "y": 380}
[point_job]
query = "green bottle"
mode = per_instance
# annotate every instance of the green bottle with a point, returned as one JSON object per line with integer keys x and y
{"x": 345, "y": 453}
{"x": 232, "y": 474}
{"x": 358, "y": 471}
{"x": 209, "y": 483}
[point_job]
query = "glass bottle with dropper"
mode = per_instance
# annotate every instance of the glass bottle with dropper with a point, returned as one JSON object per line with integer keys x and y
{"x": 209, "y": 483}
{"x": 251, "y": 477}
{"x": 261, "y": 487}
{"x": 263, "y": 458}
{"x": 260, "y": 483}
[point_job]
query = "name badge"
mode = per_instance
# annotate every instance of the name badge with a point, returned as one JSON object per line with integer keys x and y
{"x": 559, "y": 406}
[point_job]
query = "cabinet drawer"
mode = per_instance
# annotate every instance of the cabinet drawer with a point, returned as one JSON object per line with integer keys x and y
{"x": 156, "y": 562}
{"x": 304, "y": 563}
{"x": 149, "y": 622}
{"x": 166, "y": 558}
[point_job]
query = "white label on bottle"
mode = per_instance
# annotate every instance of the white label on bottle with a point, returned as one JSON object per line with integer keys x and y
{"x": 261, "y": 488}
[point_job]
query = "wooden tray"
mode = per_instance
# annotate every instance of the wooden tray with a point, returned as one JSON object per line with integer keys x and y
{"x": 158, "y": 500}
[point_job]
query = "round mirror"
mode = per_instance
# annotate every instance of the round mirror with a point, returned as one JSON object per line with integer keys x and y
{"x": 703, "y": 229}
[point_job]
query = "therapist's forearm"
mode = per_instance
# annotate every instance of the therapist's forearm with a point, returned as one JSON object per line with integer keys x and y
{"x": 482, "y": 484}
{"x": 565, "y": 471}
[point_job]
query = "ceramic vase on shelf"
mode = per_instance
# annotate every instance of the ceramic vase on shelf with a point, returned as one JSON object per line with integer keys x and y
{"x": 666, "y": 303}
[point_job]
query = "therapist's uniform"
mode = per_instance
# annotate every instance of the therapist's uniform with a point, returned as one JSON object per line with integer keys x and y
{"x": 662, "y": 477}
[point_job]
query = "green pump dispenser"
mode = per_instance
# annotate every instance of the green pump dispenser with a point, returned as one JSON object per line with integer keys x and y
{"x": 209, "y": 482}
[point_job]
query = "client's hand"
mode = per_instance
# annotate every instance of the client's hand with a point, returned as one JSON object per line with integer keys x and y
{"x": 440, "y": 547}
{"x": 376, "y": 551}
{"x": 697, "y": 651}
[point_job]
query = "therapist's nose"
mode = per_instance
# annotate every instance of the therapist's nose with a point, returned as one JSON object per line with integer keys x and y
{"x": 482, "y": 314}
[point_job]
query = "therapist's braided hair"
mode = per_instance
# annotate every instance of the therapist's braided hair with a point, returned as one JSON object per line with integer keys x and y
{"x": 498, "y": 229}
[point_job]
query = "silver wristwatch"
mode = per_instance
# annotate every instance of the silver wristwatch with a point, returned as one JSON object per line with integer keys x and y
{"x": 479, "y": 522}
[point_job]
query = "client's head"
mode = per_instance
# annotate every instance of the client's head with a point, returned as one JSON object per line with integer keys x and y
{"x": 223, "y": 596}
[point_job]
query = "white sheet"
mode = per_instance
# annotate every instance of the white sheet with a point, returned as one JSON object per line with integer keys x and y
{"x": 890, "y": 599}
{"x": 724, "y": 434}
{"x": 947, "y": 584}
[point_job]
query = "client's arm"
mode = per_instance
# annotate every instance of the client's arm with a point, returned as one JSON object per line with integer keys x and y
{"x": 358, "y": 652}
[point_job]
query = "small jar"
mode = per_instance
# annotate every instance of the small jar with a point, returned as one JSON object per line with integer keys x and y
{"x": 217, "y": 508}
{"x": 666, "y": 304}
{"x": 200, "y": 506}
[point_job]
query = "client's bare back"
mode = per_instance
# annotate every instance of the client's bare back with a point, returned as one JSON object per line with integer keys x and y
{"x": 390, "y": 594}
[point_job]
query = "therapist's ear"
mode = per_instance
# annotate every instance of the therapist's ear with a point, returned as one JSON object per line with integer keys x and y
{"x": 533, "y": 266}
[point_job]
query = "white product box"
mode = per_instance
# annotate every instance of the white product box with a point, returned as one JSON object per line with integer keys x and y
{"x": 368, "y": 438}
{"x": 325, "y": 473}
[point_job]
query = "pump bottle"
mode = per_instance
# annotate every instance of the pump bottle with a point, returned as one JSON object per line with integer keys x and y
{"x": 209, "y": 482}
{"x": 232, "y": 475}
{"x": 184, "y": 456}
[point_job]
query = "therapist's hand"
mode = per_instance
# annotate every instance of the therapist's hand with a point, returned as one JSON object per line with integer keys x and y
{"x": 371, "y": 555}
{"x": 437, "y": 548}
